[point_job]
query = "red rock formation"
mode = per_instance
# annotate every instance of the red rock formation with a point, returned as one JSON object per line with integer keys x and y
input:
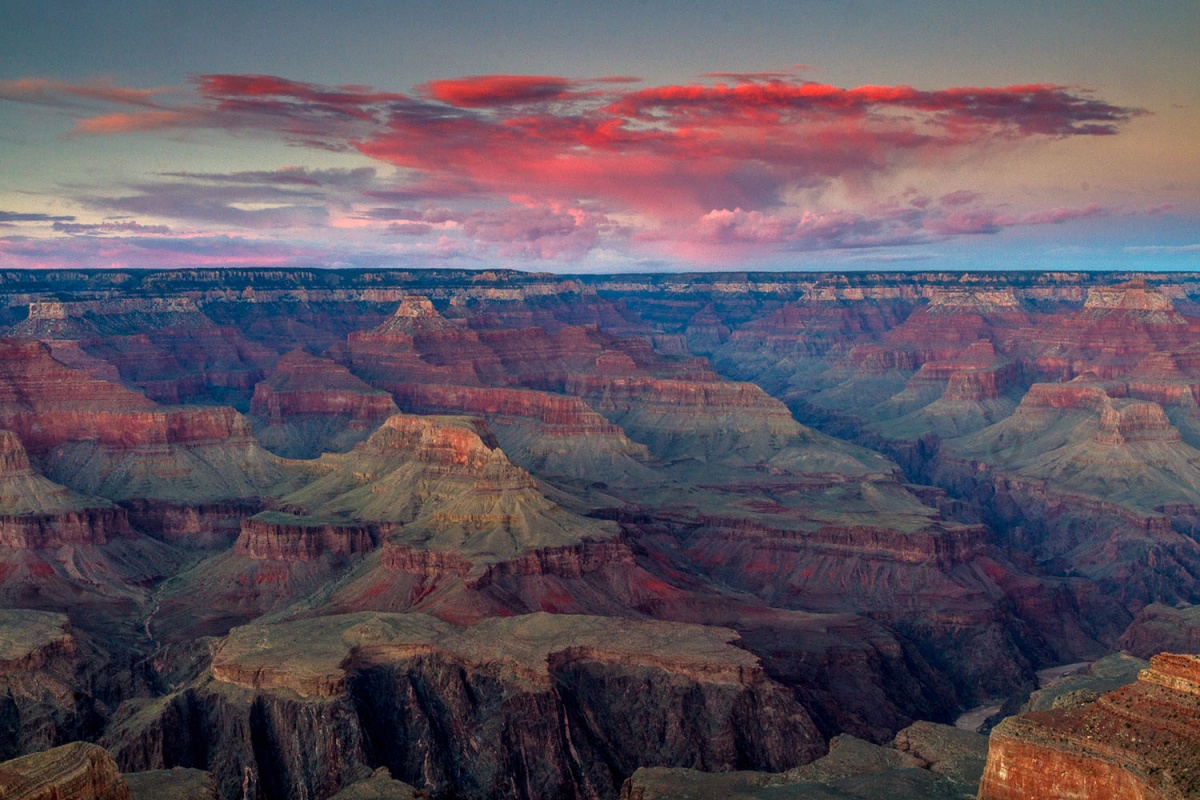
{"x": 1159, "y": 627}
{"x": 417, "y": 344}
{"x": 982, "y": 384}
{"x": 303, "y": 384}
{"x": 1139, "y": 741}
{"x": 205, "y": 525}
{"x": 76, "y": 771}
{"x": 37, "y": 514}
{"x": 89, "y": 526}
{"x": 1135, "y": 422}
{"x": 560, "y": 414}
{"x": 416, "y": 561}
{"x": 1064, "y": 396}
{"x": 32, "y": 381}
{"x": 276, "y": 538}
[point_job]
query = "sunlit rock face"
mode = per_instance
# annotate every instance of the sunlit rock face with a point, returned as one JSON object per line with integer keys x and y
{"x": 1139, "y": 741}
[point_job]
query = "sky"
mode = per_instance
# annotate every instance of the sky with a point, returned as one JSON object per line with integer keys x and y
{"x": 606, "y": 137}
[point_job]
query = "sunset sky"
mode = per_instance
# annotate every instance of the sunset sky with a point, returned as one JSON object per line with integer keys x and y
{"x": 639, "y": 136}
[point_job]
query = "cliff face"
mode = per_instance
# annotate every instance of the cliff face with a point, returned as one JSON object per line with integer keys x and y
{"x": 46, "y": 667}
{"x": 310, "y": 405}
{"x": 1139, "y": 741}
{"x": 528, "y": 691}
{"x": 302, "y": 384}
{"x": 273, "y": 538}
{"x": 555, "y": 436}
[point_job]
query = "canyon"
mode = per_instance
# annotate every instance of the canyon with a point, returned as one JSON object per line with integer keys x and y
{"x": 309, "y": 533}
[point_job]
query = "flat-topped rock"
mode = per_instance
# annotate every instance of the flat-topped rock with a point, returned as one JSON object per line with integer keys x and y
{"x": 313, "y": 657}
{"x": 379, "y": 786}
{"x": 853, "y": 770}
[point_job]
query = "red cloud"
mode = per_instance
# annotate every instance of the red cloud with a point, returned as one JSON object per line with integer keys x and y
{"x": 481, "y": 91}
{"x": 667, "y": 157}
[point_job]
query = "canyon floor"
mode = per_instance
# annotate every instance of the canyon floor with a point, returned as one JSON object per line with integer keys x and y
{"x": 355, "y": 534}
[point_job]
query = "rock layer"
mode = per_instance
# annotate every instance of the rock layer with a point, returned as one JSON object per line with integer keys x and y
{"x": 77, "y": 771}
{"x": 1139, "y": 741}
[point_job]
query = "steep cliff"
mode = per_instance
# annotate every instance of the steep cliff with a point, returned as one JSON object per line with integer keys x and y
{"x": 310, "y": 405}
{"x": 300, "y": 706}
{"x": 1137, "y": 742}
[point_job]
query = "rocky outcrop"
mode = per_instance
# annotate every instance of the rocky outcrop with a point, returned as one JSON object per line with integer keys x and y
{"x": 560, "y": 414}
{"x": 310, "y": 405}
{"x": 1135, "y": 422}
{"x": 551, "y": 435}
{"x": 88, "y": 526}
{"x": 1159, "y": 627}
{"x": 418, "y": 345}
{"x": 201, "y": 525}
{"x": 43, "y": 701}
{"x": 192, "y": 455}
{"x": 1135, "y": 296}
{"x": 280, "y": 537}
{"x": 525, "y": 696}
{"x": 28, "y": 639}
{"x": 676, "y": 418}
{"x": 1139, "y": 741}
{"x": 379, "y": 786}
{"x": 78, "y": 771}
{"x": 445, "y": 485}
{"x": 302, "y": 385}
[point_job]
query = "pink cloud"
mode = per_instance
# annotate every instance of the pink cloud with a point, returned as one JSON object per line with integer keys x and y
{"x": 482, "y": 91}
{"x": 568, "y": 155}
{"x": 44, "y": 91}
{"x": 130, "y": 122}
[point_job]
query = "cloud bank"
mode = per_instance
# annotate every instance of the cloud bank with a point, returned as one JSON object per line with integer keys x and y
{"x": 544, "y": 167}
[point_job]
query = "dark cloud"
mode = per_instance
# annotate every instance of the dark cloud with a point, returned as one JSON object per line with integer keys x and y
{"x": 125, "y": 226}
{"x": 21, "y": 216}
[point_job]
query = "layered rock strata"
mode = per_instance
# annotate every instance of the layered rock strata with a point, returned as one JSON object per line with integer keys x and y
{"x": 77, "y": 771}
{"x": 1139, "y": 741}
{"x": 382, "y": 689}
